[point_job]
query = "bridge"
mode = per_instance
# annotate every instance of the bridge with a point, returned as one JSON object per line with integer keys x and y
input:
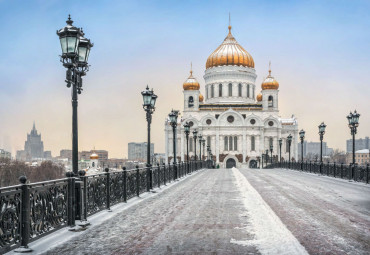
{"x": 218, "y": 211}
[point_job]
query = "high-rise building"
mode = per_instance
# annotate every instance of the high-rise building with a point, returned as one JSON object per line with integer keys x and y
{"x": 33, "y": 147}
{"x": 313, "y": 148}
{"x": 360, "y": 144}
{"x": 138, "y": 151}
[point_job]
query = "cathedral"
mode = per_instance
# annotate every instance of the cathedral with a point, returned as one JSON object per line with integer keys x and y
{"x": 238, "y": 125}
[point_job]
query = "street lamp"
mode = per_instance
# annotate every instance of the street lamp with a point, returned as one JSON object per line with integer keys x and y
{"x": 173, "y": 121}
{"x": 289, "y": 138}
{"x": 353, "y": 124}
{"x": 187, "y": 132}
{"x": 75, "y": 54}
{"x": 195, "y": 132}
{"x": 271, "y": 149}
{"x": 208, "y": 151}
{"x": 280, "y": 143}
{"x": 200, "y": 146}
{"x": 301, "y": 136}
{"x": 149, "y": 99}
{"x": 322, "y": 127}
{"x": 204, "y": 144}
{"x": 267, "y": 156}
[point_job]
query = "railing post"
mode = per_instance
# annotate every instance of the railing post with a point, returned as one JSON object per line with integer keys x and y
{"x": 124, "y": 184}
{"x": 367, "y": 173}
{"x": 108, "y": 189}
{"x": 174, "y": 171}
{"x": 341, "y": 170}
{"x": 164, "y": 174}
{"x": 25, "y": 217}
{"x": 70, "y": 204}
{"x": 137, "y": 181}
{"x": 159, "y": 175}
{"x": 84, "y": 221}
{"x": 335, "y": 169}
{"x": 147, "y": 178}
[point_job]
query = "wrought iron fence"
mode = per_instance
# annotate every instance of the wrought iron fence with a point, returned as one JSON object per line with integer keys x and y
{"x": 29, "y": 211}
{"x": 359, "y": 173}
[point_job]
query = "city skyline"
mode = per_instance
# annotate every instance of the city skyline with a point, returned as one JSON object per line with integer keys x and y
{"x": 319, "y": 60}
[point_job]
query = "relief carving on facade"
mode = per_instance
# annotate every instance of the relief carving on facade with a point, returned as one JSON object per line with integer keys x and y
{"x": 222, "y": 157}
{"x": 239, "y": 157}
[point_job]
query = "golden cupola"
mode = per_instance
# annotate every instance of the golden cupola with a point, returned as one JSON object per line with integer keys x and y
{"x": 270, "y": 82}
{"x": 201, "y": 98}
{"x": 191, "y": 83}
{"x": 259, "y": 97}
{"x": 230, "y": 52}
{"x": 94, "y": 156}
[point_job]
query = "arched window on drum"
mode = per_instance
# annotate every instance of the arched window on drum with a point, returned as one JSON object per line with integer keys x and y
{"x": 270, "y": 101}
{"x": 191, "y": 102}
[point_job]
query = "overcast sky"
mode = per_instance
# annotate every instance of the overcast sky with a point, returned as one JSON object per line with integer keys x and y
{"x": 320, "y": 52}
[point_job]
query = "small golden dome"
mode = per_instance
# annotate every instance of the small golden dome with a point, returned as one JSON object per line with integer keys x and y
{"x": 270, "y": 82}
{"x": 191, "y": 83}
{"x": 94, "y": 156}
{"x": 201, "y": 98}
{"x": 230, "y": 52}
{"x": 259, "y": 97}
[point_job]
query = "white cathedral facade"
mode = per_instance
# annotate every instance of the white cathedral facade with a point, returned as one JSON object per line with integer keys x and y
{"x": 238, "y": 125}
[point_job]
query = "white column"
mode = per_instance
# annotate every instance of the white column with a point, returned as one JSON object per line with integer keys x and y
{"x": 244, "y": 144}
{"x": 217, "y": 149}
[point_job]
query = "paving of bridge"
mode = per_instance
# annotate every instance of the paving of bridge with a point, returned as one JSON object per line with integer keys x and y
{"x": 208, "y": 213}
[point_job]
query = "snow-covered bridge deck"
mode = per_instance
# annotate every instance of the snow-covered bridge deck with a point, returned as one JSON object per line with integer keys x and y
{"x": 231, "y": 211}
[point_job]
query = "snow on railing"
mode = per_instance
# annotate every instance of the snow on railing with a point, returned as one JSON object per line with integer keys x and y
{"x": 359, "y": 173}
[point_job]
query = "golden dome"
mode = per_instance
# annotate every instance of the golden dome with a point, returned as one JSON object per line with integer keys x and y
{"x": 191, "y": 83}
{"x": 270, "y": 82}
{"x": 201, "y": 98}
{"x": 259, "y": 97}
{"x": 94, "y": 156}
{"x": 230, "y": 52}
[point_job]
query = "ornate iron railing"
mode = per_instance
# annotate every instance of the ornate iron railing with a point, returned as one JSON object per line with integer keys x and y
{"x": 29, "y": 211}
{"x": 351, "y": 172}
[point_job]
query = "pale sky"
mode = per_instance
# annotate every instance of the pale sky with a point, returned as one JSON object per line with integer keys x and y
{"x": 319, "y": 51}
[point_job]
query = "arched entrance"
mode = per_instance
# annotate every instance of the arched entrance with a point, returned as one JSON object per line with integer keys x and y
{"x": 253, "y": 163}
{"x": 230, "y": 163}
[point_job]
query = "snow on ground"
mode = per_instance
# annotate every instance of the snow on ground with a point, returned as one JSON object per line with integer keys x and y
{"x": 224, "y": 211}
{"x": 327, "y": 215}
{"x": 271, "y": 235}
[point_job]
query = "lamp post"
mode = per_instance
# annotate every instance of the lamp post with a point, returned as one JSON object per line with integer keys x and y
{"x": 149, "y": 99}
{"x": 195, "y": 132}
{"x": 200, "y": 137}
{"x": 271, "y": 150}
{"x": 290, "y": 138}
{"x": 267, "y": 156}
{"x": 353, "y": 124}
{"x": 301, "y": 136}
{"x": 75, "y": 54}
{"x": 204, "y": 144}
{"x": 322, "y": 127}
{"x": 187, "y": 132}
{"x": 280, "y": 143}
{"x": 173, "y": 121}
{"x": 208, "y": 151}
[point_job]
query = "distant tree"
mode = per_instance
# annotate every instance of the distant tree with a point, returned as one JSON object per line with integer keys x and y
{"x": 338, "y": 156}
{"x": 11, "y": 170}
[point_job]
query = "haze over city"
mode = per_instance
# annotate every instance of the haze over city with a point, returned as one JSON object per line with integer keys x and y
{"x": 319, "y": 53}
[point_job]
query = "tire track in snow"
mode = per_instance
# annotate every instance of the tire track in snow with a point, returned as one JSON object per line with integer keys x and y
{"x": 271, "y": 235}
